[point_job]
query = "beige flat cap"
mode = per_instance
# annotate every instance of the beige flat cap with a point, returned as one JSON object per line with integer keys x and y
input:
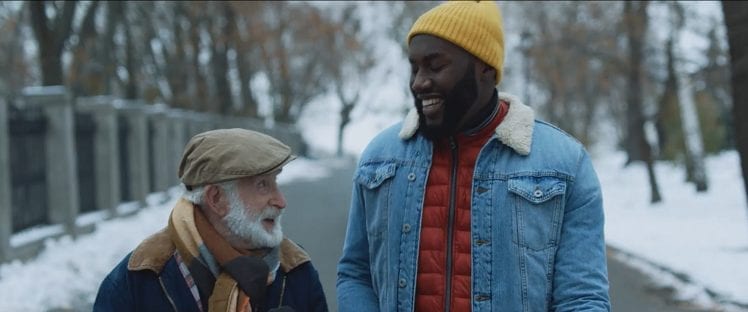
{"x": 229, "y": 154}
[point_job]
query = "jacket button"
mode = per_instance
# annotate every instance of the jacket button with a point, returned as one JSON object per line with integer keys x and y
{"x": 481, "y": 242}
{"x": 537, "y": 193}
{"x": 402, "y": 283}
{"x": 411, "y": 176}
{"x": 406, "y": 228}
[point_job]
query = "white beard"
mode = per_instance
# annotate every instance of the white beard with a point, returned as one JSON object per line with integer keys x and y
{"x": 247, "y": 226}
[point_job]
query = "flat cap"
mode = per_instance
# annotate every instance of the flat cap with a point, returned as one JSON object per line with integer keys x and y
{"x": 229, "y": 154}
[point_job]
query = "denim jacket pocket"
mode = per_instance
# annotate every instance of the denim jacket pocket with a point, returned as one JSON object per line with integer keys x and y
{"x": 537, "y": 206}
{"x": 373, "y": 175}
{"x": 375, "y": 180}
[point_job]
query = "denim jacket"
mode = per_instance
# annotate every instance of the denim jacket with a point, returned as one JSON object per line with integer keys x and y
{"x": 536, "y": 221}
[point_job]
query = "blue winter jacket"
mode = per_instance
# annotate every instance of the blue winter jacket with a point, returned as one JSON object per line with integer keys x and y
{"x": 158, "y": 285}
{"x": 536, "y": 221}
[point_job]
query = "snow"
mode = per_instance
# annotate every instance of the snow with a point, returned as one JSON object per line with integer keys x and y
{"x": 70, "y": 271}
{"x": 704, "y": 236}
{"x": 35, "y": 234}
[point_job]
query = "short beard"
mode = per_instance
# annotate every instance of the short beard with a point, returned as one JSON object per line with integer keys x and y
{"x": 248, "y": 227}
{"x": 456, "y": 103}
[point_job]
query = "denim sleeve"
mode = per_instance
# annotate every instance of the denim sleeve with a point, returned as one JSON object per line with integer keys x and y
{"x": 580, "y": 282}
{"x": 354, "y": 287}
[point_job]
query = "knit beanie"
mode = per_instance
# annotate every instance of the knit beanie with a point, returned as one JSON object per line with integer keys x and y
{"x": 475, "y": 26}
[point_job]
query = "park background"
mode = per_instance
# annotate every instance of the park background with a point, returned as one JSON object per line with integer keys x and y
{"x": 649, "y": 87}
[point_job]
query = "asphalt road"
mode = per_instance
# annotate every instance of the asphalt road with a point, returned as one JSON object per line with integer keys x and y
{"x": 316, "y": 219}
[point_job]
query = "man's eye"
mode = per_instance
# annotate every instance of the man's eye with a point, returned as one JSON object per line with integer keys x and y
{"x": 262, "y": 183}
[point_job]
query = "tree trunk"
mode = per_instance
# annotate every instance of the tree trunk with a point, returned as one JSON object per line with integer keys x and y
{"x": 635, "y": 20}
{"x": 51, "y": 40}
{"x": 220, "y": 60}
{"x": 249, "y": 104}
{"x": 85, "y": 75}
{"x": 691, "y": 132}
{"x": 131, "y": 88}
{"x": 345, "y": 116}
{"x": 115, "y": 12}
{"x": 736, "y": 21}
{"x": 638, "y": 148}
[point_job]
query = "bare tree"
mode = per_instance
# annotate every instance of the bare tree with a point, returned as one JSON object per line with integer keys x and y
{"x": 51, "y": 35}
{"x": 288, "y": 37}
{"x": 575, "y": 81}
{"x": 85, "y": 75}
{"x": 221, "y": 30}
{"x": 682, "y": 93}
{"x": 348, "y": 62}
{"x": 736, "y": 20}
{"x": 636, "y": 20}
{"x": 246, "y": 54}
{"x": 11, "y": 52}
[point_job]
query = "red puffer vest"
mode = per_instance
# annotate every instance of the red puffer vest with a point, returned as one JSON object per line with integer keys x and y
{"x": 438, "y": 274}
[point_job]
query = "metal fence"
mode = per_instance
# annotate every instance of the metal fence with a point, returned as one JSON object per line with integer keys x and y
{"x": 121, "y": 151}
{"x": 27, "y": 130}
{"x": 123, "y": 133}
{"x": 85, "y": 129}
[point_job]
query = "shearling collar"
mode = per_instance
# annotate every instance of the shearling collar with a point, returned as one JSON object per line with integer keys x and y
{"x": 515, "y": 130}
{"x": 153, "y": 253}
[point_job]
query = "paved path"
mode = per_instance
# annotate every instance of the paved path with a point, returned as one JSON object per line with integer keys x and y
{"x": 318, "y": 211}
{"x": 316, "y": 216}
{"x": 631, "y": 290}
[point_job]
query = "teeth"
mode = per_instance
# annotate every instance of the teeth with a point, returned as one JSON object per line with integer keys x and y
{"x": 429, "y": 102}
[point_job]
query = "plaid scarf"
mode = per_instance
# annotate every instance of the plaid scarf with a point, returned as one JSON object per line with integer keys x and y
{"x": 232, "y": 280}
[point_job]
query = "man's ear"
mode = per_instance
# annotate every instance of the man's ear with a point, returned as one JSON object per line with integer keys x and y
{"x": 487, "y": 72}
{"x": 215, "y": 200}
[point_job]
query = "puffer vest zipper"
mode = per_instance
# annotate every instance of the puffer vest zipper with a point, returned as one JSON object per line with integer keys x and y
{"x": 444, "y": 262}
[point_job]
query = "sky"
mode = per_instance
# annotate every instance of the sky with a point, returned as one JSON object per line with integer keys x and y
{"x": 703, "y": 236}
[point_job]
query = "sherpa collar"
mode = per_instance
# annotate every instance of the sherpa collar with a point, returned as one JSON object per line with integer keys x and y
{"x": 153, "y": 252}
{"x": 515, "y": 130}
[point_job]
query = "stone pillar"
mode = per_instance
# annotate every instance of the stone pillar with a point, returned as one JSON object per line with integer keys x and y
{"x": 106, "y": 151}
{"x": 6, "y": 211}
{"x": 62, "y": 169}
{"x": 179, "y": 140}
{"x": 160, "y": 150}
{"x": 137, "y": 148}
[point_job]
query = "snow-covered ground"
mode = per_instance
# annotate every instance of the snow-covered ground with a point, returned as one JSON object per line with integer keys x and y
{"x": 68, "y": 272}
{"x": 703, "y": 238}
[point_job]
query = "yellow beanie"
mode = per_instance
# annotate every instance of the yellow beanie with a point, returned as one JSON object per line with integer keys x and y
{"x": 475, "y": 26}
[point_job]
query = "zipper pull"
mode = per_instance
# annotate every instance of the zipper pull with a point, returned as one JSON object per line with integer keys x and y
{"x": 452, "y": 143}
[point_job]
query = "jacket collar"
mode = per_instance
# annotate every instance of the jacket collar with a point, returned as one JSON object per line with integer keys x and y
{"x": 153, "y": 253}
{"x": 515, "y": 130}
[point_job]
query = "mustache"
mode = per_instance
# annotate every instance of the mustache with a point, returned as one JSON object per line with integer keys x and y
{"x": 270, "y": 213}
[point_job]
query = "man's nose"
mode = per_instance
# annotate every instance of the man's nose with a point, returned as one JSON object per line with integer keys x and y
{"x": 278, "y": 200}
{"x": 420, "y": 83}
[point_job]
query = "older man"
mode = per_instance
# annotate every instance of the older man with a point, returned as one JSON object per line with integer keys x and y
{"x": 223, "y": 248}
